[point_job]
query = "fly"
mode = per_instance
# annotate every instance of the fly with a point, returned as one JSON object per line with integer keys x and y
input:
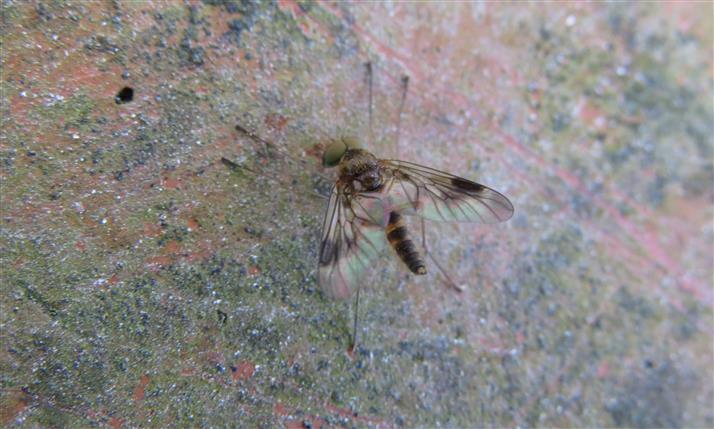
{"x": 367, "y": 207}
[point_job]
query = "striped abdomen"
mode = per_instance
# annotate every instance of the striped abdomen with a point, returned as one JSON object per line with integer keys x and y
{"x": 398, "y": 237}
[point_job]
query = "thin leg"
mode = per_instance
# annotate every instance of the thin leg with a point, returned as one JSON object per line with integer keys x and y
{"x": 449, "y": 282}
{"x": 405, "y": 87}
{"x": 266, "y": 144}
{"x": 356, "y": 322}
{"x": 270, "y": 150}
{"x": 368, "y": 78}
{"x": 233, "y": 166}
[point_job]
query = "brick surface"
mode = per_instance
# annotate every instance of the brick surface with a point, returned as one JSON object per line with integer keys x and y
{"x": 145, "y": 283}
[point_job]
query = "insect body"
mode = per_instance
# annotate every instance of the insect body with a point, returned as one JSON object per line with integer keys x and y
{"x": 399, "y": 239}
{"x": 369, "y": 202}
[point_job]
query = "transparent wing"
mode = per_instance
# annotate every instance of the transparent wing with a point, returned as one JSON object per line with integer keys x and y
{"x": 435, "y": 195}
{"x": 352, "y": 237}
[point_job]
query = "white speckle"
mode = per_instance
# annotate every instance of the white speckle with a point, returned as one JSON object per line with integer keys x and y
{"x": 53, "y": 99}
{"x": 570, "y": 20}
{"x": 217, "y": 301}
{"x": 54, "y": 36}
{"x": 99, "y": 282}
{"x": 75, "y": 136}
{"x": 621, "y": 70}
{"x": 513, "y": 352}
{"x": 23, "y": 94}
{"x": 104, "y": 221}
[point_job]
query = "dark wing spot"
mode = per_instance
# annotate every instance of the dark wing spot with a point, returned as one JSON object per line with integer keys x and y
{"x": 326, "y": 252}
{"x": 467, "y": 185}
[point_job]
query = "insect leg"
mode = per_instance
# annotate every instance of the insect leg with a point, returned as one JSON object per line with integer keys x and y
{"x": 405, "y": 87}
{"x": 355, "y": 326}
{"x": 368, "y": 78}
{"x": 450, "y": 283}
{"x": 267, "y": 146}
{"x": 233, "y": 166}
{"x": 270, "y": 150}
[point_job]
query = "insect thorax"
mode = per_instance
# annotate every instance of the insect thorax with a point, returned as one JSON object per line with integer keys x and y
{"x": 361, "y": 169}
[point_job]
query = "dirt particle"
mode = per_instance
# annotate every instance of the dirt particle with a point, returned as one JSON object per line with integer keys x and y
{"x": 242, "y": 371}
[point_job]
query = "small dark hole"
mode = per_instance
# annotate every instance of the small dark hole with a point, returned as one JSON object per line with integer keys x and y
{"x": 125, "y": 95}
{"x": 649, "y": 363}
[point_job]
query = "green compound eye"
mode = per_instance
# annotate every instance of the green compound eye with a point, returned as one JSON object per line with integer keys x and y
{"x": 336, "y": 150}
{"x": 333, "y": 153}
{"x": 350, "y": 142}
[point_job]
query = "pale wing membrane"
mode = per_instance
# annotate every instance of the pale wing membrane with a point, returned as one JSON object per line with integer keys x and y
{"x": 439, "y": 196}
{"x": 352, "y": 237}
